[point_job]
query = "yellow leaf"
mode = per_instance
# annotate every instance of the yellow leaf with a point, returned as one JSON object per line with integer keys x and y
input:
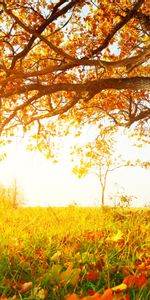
{"x": 55, "y": 161}
{"x": 25, "y": 287}
{"x": 75, "y": 276}
{"x": 55, "y": 274}
{"x": 56, "y": 256}
{"x": 117, "y": 237}
{"x": 42, "y": 294}
{"x": 70, "y": 275}
{"x": 39, "y": 292}
{"x": 120, "y": 287}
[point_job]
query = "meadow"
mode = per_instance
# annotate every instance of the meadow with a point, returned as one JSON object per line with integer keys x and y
{"x": 74, "y": 253}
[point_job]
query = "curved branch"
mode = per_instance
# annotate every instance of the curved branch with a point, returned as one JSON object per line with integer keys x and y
{"x": 54, "y": 112}
{"x": 91, "y": 87}
{"x": 145, "y": 114}
{"x": 130, "y": 63}
{"x": 19, "y": 107}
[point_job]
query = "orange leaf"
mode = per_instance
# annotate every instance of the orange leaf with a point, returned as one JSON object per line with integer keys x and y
{"x": 108, "y": 295}
{"x": 3, "y": 297}
{"x": 72, "y": 297}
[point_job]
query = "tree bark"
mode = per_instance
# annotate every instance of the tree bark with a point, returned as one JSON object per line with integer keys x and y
{"x": 103, "y": 197}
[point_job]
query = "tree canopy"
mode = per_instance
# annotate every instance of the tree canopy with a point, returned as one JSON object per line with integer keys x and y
{"x": 78, "y": 60}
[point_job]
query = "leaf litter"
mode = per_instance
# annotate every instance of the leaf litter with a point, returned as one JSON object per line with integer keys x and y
{"x": 110, "y": 261}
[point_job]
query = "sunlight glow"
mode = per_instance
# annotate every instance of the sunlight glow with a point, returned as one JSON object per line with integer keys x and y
{"x": 48, "y": 184}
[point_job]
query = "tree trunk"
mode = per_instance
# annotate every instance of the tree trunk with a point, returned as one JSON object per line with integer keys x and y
{"x": 103, "y": 197}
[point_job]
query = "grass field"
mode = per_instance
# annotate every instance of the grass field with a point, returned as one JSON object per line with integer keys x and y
{"x": 75, "y": 253}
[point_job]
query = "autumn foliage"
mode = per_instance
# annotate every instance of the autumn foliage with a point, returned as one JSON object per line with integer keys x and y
{"x": 73, "y": 60}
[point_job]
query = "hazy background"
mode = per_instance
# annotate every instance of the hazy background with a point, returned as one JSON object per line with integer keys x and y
{"x": 44, "y": 183}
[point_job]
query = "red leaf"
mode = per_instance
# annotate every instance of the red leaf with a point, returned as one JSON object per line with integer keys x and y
{"x": 93, "y": 276}
{"x": 135, "y": 281}
{"x": 90, "y": 292}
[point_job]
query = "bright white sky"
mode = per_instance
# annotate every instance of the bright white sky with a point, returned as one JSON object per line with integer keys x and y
{"x": 45, "y": 183}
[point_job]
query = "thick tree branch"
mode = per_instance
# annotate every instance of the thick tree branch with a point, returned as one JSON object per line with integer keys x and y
{"x": 40, "y": 78}
{"x": 145, "y": 114}
{"x": 144, "y": 19}
{"x": 92, "y": 87}
{"x": 130, "y": 63}
{"x": 54, "y": 112}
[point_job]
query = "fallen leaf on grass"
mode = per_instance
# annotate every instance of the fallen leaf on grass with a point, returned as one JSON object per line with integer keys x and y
{"x": 54, "y": 276}
{"x": 72, "y": 297}
{"x": 25, "y": 287}
{"x": 117, "y": 237}
{"x": 144, "y": 265}
{"x": 108, "y": 295}
{"x": 125, "y": 271}
{"x": 70, "y": 275}
{"x": 3, "y": 297}
{"x": 92, "y": 276}
{"x": 125, "y": 297}
{"x": 56, "y": 256}
{"x": 96, "y": 296}
{"x": 120, "y": 288}
{"x": 134, "y": 281}
{"x": 42, "y": 294}
{"x": 90, "y": 292}
{"x": 39, "y": 292}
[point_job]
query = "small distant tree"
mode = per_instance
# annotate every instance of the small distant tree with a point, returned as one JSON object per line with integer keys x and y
{"x": 14, "y": 193}
{"x": 11, "y": 196}
{"x": 99, "y": 158}
{"x": 17, "y": 194}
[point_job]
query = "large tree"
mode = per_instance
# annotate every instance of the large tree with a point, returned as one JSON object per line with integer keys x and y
{"x": 78, "y": 59}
